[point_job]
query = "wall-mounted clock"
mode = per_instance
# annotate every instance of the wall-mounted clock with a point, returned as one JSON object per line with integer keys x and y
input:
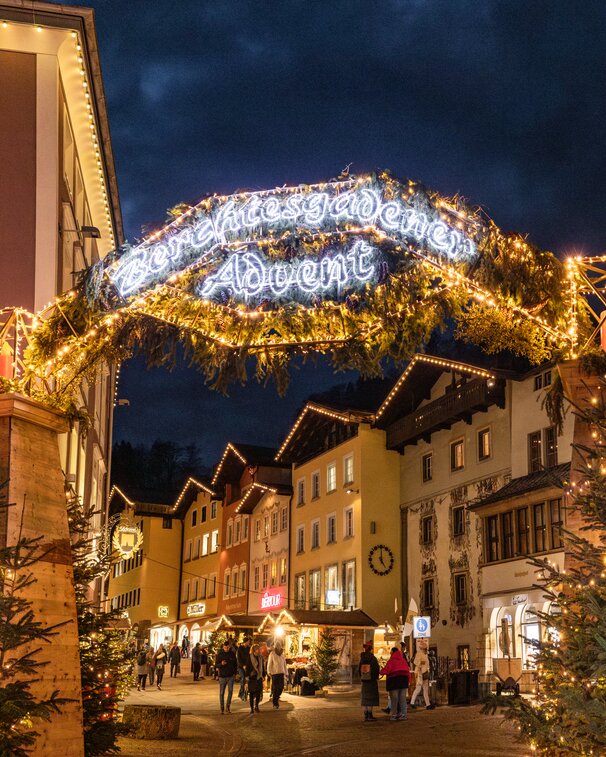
{"x": 381, "y": 559}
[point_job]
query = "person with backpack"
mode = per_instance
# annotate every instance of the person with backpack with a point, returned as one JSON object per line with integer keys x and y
{"x": 368, "y": 669}
{"x": 141, "y": 670}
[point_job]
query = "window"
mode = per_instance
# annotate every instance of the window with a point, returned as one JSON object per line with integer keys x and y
{"x": 484, "y": 444}
{"x": 274, "y": 522}
{"x": 226, "y": 578}
{"x": 300, "y": 591}
{"x": 348, "y": 469}
{"x": 284, "y": 519}
{"x": 463, "y": 657}
{"x": 242, "y": 579}
{"x": 458, "y": 521}
{"x": 551, "y": 447}
{"x": 214, "y": 541}
{"x": 331, "y": 529}
{"x": 349, "y": 584}
{"x": 331, "y": 477}
{"x": 258, "y": 529}
{"x": 507, "y": 534}
{"x": 282, "y": 570}
{"x": 212, "y": 585}
{"x": 256, "y": 577}
{"x": 194, "y": 589}
{"x": 301, "y": 492}
{"x": 203, "y": 514}
{"x": 300, "y": 539}
{"x": 457, "y": 459}
{"x": 274, "y": 573}
{"x": 315, "y": 534}
{"x": 213, "y": 510}
{"x": 203, "y": 587}
{"x": 197, "y": 548}
{"x": 534, "y": 452}
{"x": 331, "y": 584}
{"x": 315, "y": 485}
{"x": 348, "y": 523}
{"x": 266, "y": 527}
{"x": 185, "y": 593}
{"x": 205, "y": 543}
{"x": 523, "y": 531}
{"x": 234, "y": 582}
{"x": 427, "y": 464}
{"x": 314, "y": 590}
{"x": 555, "y": 516}
{"x": 492, "y": 538}
{"x": 428, "y": 587}
{"x": 167, "y": 522}
{"x": 543, "y": 380}
{"x": 237, "y": 528}
{"x": 229, "y": 534}
{"x": 194, "y": 517}
{"x": 539, "y": 527}
{"x": 245, "y": 528}
{"x": 460, "y": 585}
{"x": 427, "y": 529}
{"x": 188, "y": 545}
{"x": 265, "y": 575}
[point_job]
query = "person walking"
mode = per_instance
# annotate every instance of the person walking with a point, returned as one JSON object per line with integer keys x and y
{"x": 160, "y": 659}
{"x": 421, "y": 663}
{"x": 204, "y": 662}
{"x": 242, "y": 656}
{"x": 397, "y": 672}
{"x": 227, "y": 665}
{"x": 141, "y": 670}
{"x": 196, "y": 661}
{"x": 255, "y": 672}
{"x": 185, "y": 647}
{"x": 151, "y": 666}
{"x": 174, "y": 657}
{"x": 276, "y": 667}
{"x": 368, "y": 669}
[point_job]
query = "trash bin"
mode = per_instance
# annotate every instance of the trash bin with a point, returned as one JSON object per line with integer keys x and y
{"x": 463, "y": 687}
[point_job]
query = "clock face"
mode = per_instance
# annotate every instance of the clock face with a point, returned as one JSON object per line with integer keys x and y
{"x": 381, "y": 559}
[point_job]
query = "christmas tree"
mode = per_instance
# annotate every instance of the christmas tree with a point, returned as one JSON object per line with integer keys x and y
{"x": 105, "y": 661}
{"x": 325, "y": 659}
{"x": 21, "y": 639}
{"x": 568, "y": 713}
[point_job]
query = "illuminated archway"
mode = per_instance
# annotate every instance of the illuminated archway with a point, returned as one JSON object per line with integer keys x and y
{"x": 361, "y": 268}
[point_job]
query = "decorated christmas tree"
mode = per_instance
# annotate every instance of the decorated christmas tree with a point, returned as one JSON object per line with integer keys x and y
{"x": 568, "y": 713}
{"x": 105, "y": 660}
{"x": 325, "y": 659}
{"x": 22, "y": 638}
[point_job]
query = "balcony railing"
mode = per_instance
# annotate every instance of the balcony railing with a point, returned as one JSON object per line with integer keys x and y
{"x": 460, "y": 404}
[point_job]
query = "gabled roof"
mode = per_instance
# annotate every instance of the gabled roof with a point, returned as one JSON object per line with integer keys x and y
{"x": 327, "y": 618}
{"x": 415, "y": 383}
{"x": 545, "y": 479}
{"x": 255, "y": 493}
{"x": 190, "y": 490}
{"x": 148, "y": 506}
{"x": 311, "y": 420}
{"x": 237, "y": 456}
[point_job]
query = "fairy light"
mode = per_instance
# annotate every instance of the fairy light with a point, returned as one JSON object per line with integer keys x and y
{"x": 191, "y": 481}
{"x": 230, "y": 448}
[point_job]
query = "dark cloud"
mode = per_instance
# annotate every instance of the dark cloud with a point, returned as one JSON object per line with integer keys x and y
{"x": 500, "y": 100}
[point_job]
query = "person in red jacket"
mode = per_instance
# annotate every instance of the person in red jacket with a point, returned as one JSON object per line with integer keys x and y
{"x": 397, "y": 673}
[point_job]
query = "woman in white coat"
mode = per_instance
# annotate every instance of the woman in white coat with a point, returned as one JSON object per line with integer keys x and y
{"x": 421, "y": 663}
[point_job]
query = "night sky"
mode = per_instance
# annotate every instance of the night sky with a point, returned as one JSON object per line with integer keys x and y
{"x": 502, "y": 102}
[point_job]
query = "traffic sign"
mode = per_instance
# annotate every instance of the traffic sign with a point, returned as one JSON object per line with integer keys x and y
{"x": 421, "y": 627}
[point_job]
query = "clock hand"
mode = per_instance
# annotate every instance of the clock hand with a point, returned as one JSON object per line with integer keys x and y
{"x": 381, "y": 559}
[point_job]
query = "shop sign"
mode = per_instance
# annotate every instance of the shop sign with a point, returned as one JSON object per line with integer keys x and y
{"x": 271, "y": 600}
{"x": 421, "y": 627}
{"x": 197, "y": 608}
{"x": 127, "y": 539}
{"x": 163, "y": 611}
{"x": 519, "y": 599}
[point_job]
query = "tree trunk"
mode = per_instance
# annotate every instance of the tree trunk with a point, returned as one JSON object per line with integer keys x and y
{"x": 147, "y": 721}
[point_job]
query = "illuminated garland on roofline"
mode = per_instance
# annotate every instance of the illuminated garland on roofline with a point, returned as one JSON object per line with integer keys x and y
{"x": 236, "y": 277}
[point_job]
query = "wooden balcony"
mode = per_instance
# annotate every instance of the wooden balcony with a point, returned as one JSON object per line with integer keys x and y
{"x": 473, "y": 397}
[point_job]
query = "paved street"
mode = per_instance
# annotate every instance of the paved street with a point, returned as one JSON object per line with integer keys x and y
{"x": 319, "y": 727}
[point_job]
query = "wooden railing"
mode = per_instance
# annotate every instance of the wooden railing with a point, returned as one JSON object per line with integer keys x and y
{"x": 445, "y": 411}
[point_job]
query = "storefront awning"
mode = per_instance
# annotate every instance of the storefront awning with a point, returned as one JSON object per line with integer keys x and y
{"x": 327, "y": 618}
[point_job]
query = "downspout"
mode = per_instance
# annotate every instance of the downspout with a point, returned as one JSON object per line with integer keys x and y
{"x": 289, "y": 551}
{"x": 180, "y": 579}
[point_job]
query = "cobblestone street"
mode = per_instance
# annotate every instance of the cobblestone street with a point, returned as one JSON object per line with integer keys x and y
{"x": 308, "y": 726}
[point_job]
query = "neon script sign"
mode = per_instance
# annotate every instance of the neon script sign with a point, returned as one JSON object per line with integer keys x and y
{"x": 270, "y": 600}
{"x": 251, "y": 276}
{"x": 405, "y": 215}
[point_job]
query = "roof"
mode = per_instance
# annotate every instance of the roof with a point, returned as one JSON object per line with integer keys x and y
{"x": 255, "y": 493}
{"x": 415, "y": 383}
{"x": 233, "y": 621}
{"x": 190, "y": 491}
{"x": 328, "y": 618}
{"x": 237, "y": 456}
{"x": 544, "y": 479}
{"x": 302, "y": 441}
{"x": 147, "y": 505}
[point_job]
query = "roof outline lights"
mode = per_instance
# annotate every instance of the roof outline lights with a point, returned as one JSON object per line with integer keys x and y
{"x": 199, "y": 484}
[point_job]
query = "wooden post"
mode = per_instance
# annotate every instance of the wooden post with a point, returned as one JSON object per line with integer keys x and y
{"x": 29, "y": 459}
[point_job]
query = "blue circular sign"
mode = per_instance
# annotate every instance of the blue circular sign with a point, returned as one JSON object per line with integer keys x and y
{"x": 421, "y": 625}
